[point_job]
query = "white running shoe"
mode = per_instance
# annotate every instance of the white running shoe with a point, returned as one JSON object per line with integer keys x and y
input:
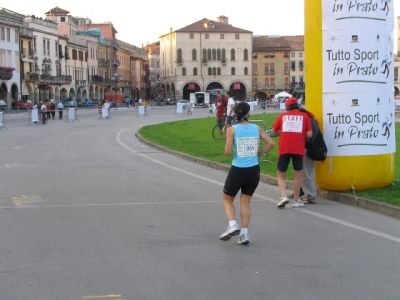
{"x": 230, "y": 232}
{"x": 297, "y": 203}
{"x": 283, "y": 201}
{"x": 244, "y": 239}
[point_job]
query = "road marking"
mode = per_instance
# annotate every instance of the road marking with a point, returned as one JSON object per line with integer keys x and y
{"x": 28, "y": 200}
{"x": 104, "y": 297}
{"x": 27, "y": 197}
{"x": 325, "y": 217}
{"x": 14, "y": 165}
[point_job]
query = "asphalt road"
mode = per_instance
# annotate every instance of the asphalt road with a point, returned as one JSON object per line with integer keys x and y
{"x": 89, "y": 212}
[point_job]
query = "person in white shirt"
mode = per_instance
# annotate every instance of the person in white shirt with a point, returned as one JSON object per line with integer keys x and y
{"x": 230, "y": 109}
{"x": 140, "y": 102}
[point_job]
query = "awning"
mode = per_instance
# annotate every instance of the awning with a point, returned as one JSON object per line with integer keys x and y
{"x": 25, "y": 90}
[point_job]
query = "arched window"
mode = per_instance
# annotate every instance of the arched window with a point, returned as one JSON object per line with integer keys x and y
{"x": 219, "y": 71}
{"x": 204, "y": 55}
{"x": 214, "y": 54}
{"x": 232, "y": 54}
{"x": 223, "y": 54}
{"x": 214, "y": 71}
{"x": 179, "y": 55}
{"x": 194, "y": 54}
{"x": 209, "y": 54}
{"x": 183, "y": 71}
{"x": 218, "y": 54}
{"x": 245, "y": 54}
{"x": 209, "y": 71}
{"x": 233, "y": 71}
{"x": 195, "y": 71}
{"x": 246, "y": 71}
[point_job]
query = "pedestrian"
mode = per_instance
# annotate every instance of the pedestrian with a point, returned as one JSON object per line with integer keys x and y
{"x": 107, "y": 106}
{"x": 293, "y": 127}
{"x": 53, "y": 110}
{"x": 244, "y": 174}
{"x": 43, "y": 113}
{"x": 210, "y": 110}
{"x": 187, "y": 108}
{"x": 39, "y": 107}
{"x": 308, "y": 179}
{"x": 230, "y": 109}
{"x": 136, "y": 102}
{"x": 99, "y": 106}
{"x": 263, "y": 105}
{"x": 48, "y": 110}
{"x": 140, "y": 102}
{"x": 60, "y": 107}
{"x": 220, "y": 113}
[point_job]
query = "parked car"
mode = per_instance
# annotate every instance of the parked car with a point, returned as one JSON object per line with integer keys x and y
{"x": 23, "y": 104}
{"x": 69, "y": 102}
{"x": 3, "y": 105}
{"x": 80, "y": 103}
{"x": 88, "y": 102}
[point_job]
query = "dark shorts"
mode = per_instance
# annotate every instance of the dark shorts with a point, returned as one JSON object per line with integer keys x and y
{"x": 244, "y": 179}
{"x": 221, "y": 121}
{"x": 229, "y": 120}
{"x": 284, "y": 159}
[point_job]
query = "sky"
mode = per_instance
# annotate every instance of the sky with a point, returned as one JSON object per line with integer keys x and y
{"x": 142, "y": 22}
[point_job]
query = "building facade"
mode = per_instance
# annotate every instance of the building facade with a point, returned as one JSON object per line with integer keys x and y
{"x": 206, "y": 55}
{"x": 153, "y": 51}
{"x": 10, "y": 80}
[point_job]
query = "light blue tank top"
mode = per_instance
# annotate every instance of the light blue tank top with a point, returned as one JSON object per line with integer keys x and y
{"x": 245, "y": 143}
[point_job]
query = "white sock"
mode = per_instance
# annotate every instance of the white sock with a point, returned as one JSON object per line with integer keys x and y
{"x": 243, "y": 230}
{"x": 232, "y": 223}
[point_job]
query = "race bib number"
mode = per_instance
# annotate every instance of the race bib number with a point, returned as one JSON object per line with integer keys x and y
{"x": 292, "y": 124}
{"x": 247, "y": 146}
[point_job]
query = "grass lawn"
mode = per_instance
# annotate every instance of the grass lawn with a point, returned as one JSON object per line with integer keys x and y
{"x": 194, "y": 137}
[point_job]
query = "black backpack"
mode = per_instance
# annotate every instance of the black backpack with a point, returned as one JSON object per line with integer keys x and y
{"x": 317, "y": 150}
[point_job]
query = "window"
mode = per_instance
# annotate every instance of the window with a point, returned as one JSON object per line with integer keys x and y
{"x": 191, "y": 35}
{"x": 183, "y": 71}
{"x": 210, "y": 71}
{"x": 158, "y": 65}
{"x": 293, "y": 65}
{"x": 218, "y": 71}
{"x": 246, "y": 71}
{"x": 2, "y": 34}
{"x": 218, "y": 54}
{"x": 272, "y": 68}
{"x": 236, "y": 36}
{"x": 233, "y": 71}
{"x": 74, "y": 54}
{"x": 56, "y": 49}
{"x": 301, "y": 65}
{"x": 62, "y": 19}
{"x": 209, "y": 54}
{"x": 300, "y": 54}
{"x": 266, "y": 83}
{"x": 179, "y": 56}
{"x": 223, "y": 54}
{"x": 194, "y": 54}
{"x": 8, "y": 35}
{"x": 245, "y": 54}
{"x": 44, "y": 47}
{"x": 293, "y": 54}
{"x": 232, "y": 54}
{"x": 214, "y": 54}
{"x": 194, "y": 71}
{"x": 271, "y": 54}
{"x": 214, "y": 71}
{"x": 222, "y": 36}
{"x": 204, "y": 55}
{"x": 207, "y": 36}
{"x": 286, "y": 68}
{"x": 16, "y": 36}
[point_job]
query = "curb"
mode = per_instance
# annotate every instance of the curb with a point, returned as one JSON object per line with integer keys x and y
{"x": 365, "y": 203}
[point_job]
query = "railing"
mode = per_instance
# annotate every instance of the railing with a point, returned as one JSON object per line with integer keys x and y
{"x": 104, "y": 62}
{"x": 204, "y": 61}
{"x": 116, "y": 62}
{"x": 266, "y": 72}
{"x": 6, "y": 75}
{"x": 179, "y": 61}
{"x": 255, "y": 72}
{"x": 80, "y": 82}
{"x": 99, "y": 80}
{"x": 266, "y": 87}
{"x": 53, "y": 80}
{"x": 32, "y": 52}
{"x": 297, "y": 84}
{"x": 272, "y": 72}
{"x": 61, "y": 55}
{"x": 223, "y": 61}
{"x": 66, "y": 56}
{"x": 25, "y": 32}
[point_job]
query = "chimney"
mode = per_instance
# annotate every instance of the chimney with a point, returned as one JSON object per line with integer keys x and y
{"x": 222, "y": 19}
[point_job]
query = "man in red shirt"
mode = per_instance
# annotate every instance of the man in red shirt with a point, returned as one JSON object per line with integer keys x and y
{"x": 220, "y": 105}
{"x": 293, "y": 127}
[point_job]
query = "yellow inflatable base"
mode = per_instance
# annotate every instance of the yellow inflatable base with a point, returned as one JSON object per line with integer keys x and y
{"x": 341, "y": 173}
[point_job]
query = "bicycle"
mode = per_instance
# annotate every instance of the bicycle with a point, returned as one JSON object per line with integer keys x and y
{"x": 217, "y": 134}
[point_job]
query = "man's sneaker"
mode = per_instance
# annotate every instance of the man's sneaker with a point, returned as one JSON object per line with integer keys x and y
{"x": 283, "y": 201}
{"x": 297, "y": 203}
{"x": 244, "y": 239}
{"x": 230, "y": 232}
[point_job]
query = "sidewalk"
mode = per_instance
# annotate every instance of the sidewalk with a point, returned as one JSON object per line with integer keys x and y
{"x": 368, "y": 204}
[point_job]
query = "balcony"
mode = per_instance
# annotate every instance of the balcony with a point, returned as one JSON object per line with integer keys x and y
{"x": 61, "y": 55}
{"x": 52, "y": 80}
{"x": 80, "y": 83}
{"x": 116, "y": 62}
{"x": 104, "y": 62}
{"x": 6, "y": 74}
{"x": 223, "y": 61}
{"x": 266, "y": 72}
{"x": 204, "y": 61}
{"x": 286, "y": 72}
{"x": 272, "y": 72}
{"x": 66, "y": 56}
{"x": 26, "y": 32}
{"x": 255, "y": 72}
{"x": 32, "y": 52}
{"x": 179, "y": 61}
{"x": 24, "y": 52}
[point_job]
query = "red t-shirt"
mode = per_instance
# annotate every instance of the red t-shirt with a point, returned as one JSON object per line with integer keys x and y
{"x": 293, "y": 126}
{"x": 220, "y": 105}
